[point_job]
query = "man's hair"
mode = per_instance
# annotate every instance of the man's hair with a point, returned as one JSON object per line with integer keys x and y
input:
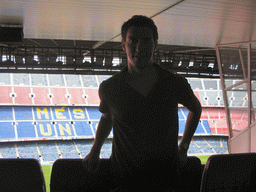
{"x": 139, "y": 21}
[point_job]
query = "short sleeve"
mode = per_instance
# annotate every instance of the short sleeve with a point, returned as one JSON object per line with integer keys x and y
{"x": 185, "y": 92}
{"x": 103, "y": 107}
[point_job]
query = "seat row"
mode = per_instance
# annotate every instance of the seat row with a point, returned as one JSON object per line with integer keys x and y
{"x": 226, "y": 172}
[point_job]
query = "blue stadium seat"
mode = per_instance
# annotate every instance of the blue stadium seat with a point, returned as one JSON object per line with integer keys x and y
{"x": 83, "y": 129}
{"x": 193, "y": 149}
{"x": 56, "y": 79}
{"x": 5, "y": 78}
{"x": 6, "y": 113}
{"x": 7, "y": 130}
{"x": 203, "y": 145}
{"x": 48, "y": 150}
{"x": 26, "y": 130}
{"x": 218, "y": 143}
{"x": 203, "y": 98}
{"x": 210, "y": 84}
{"x": 23, "y": 113}
{"x": 84, "y": 146}
{"x": 102, "y": 78}
{"x": 21, "y": 175}
{"x": 7, "y": 150}
{"x": 90, "y": 81}
{"x": 73, "y": 80}
{"x": 94, "y": 113}
{"x": 195, "y": 84}
{"x": 20, "y": 79}
{"x": 212, "y": 97}
{"x": 184, "y": 110}
{"x": 180, "y": 114}
{"x": 203, "y": 127}
{"x": 106, "y": 149}
{"x": 68, "y": 149}
{"x": 206, "y": 126}
{"x": 39, "y": 79}
{"x": 28, "y": 150}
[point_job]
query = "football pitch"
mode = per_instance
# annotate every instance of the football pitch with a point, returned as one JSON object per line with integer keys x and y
{"x": 47, "y": 170}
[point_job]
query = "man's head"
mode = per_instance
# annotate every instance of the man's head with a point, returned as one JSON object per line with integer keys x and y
{"x": 139, "y": 40}
{"x": 139, "y": 21}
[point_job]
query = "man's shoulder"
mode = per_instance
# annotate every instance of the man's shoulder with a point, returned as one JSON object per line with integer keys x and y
{"x": 170, "y": 75}
{"x": 113, "y": 80}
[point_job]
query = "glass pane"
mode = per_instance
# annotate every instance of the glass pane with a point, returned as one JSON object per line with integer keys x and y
{"x": 253, "y": 61}
{"x": 238, "y": 96}
{"x": 234, "y": 62}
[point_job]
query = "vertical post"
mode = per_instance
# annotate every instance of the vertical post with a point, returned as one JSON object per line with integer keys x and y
{"x": 224, "y": 93}
{"x": 92, "y": 57}
{"x": 249, "y": 94}
{"x": 242, "y": 63}
{"x": 1, "y": 54}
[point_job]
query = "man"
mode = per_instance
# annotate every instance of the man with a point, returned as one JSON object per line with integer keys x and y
{"x": 141, "y": 104}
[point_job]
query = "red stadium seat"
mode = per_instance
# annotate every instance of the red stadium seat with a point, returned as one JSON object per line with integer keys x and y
{"x": 213, "y": 112}
{"x": 5, "y": 97}
{"x": 21, "y": 175}
{"x": 222, "y": 113}
{"x": 77, "y": 96}
{"x": 23, "y": 96}
{"x": 204, "y": 114}
{"x": 230, "y": 172}
{"x": 41, "y": 96}
{"x": 237, "y": 114}
{"x": 59, "y": 96}
{"x": 93, "y": 96}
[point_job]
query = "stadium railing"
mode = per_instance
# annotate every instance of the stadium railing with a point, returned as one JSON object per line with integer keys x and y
{"x": 230, "y": 172}
{"x": 21, "y": 175}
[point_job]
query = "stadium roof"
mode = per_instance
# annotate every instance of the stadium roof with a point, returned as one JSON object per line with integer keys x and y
{"x": 183, "y": 25}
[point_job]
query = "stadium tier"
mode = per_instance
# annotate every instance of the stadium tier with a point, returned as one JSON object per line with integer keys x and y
{"x": 63, "y": 109}
{"x": 50, "y": 151}
{"x": 67, "y": 89}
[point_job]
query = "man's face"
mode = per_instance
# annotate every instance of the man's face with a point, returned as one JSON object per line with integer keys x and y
{"x": 139, "y": 46}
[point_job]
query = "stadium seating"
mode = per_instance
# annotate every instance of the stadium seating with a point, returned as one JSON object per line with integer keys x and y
{"x": 50, "y": 151}
{"x": 72, "y": 80}
{"x": 89, "y": 81}
{"x": 28, "y": 150}
{"x": 77, "y": 96}
{"x": 21, "y": 175}
{"x": 230, "y": 172}
{"x": 39, "y": 79}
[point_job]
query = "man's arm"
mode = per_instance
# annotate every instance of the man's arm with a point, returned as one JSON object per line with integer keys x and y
{"x": 92, "y": 161}
{"x": 193, "y": 118}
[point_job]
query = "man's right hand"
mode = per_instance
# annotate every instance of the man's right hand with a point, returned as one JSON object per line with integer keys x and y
{"x": 91, "y": 163}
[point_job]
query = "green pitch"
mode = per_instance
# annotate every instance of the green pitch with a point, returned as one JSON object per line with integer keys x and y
{"x": 47, "y": 169}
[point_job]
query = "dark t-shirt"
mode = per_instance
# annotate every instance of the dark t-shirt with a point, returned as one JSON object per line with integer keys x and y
{"x": 145, "y": 128}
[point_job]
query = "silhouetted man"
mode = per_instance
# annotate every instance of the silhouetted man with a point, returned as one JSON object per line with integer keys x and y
{"x": 141, "y": 104}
